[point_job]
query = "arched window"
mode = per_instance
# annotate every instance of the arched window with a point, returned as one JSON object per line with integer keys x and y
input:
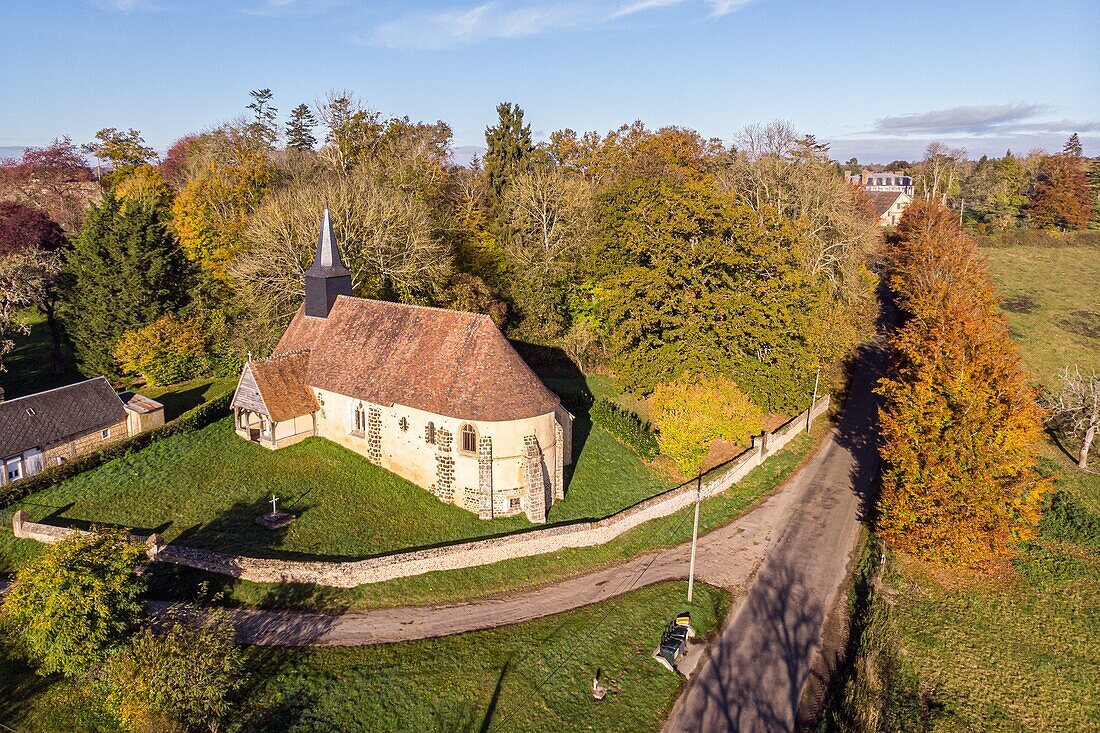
{"x": 469, "y": 439}
{"x": 429, "y": 433}
{"x": 359, "y": 420}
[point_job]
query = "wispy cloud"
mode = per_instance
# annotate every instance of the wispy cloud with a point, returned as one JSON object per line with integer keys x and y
{"x": 718, "y": 8}
{"x": 495, "y": 19}
{"x": 640, "y": 6}
{"x": 973, "y": 119}
{"x": 124, "y": 6}
{"x": 267, "y": 8}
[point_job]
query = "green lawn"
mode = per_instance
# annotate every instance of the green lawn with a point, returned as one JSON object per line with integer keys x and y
{"x": 1052, "y": 298}
{"x": 206, "y": 489}
{"x": 1019, "y": 653}
{"x": 533, "y": 676}
{"x": 179, "y": 398}
{"x": 508, "y": 576}
{"x": 28, "y": 368}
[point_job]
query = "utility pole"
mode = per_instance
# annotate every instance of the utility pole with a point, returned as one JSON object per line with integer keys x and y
{"x": 813, "y": 401}
{"x": 695, "y": 535}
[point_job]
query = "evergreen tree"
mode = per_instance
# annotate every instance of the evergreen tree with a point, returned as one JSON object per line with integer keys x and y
{"x": 263, "y": 123}
{"x": 1093, "y": 177}
{"x": 125, "y": 269}
{"x": 299, "y": 129}
{"x": 1073, "y": 146}
{"x": 508, "y": 153}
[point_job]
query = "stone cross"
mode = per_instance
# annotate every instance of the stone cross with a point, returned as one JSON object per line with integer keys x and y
{"x": 273, "y": 500}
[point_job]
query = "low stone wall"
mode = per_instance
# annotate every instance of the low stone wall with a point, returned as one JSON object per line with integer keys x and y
{"x": 349, "y": 574}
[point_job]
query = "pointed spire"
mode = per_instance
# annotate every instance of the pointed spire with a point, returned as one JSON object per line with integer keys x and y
{"x": 327, "y": 277}
{"x": 327, "y": 259}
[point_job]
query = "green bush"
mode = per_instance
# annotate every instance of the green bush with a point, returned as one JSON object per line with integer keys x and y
{"x": 1069, "y": 520}
{"x": 625, "y": 427}
{"x": 190, "y": 421}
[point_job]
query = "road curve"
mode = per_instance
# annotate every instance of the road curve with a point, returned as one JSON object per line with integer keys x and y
{"x": 756, "y": 671}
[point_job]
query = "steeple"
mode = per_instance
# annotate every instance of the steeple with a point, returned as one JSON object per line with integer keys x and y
{"x": 327, "y": 277}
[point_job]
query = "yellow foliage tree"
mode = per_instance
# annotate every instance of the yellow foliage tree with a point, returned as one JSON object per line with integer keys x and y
{"x": 143, "y": 186}
{"x": 166, "y": 351}
{"x": 692, "y": 412}
{"x": 212, "y": 210}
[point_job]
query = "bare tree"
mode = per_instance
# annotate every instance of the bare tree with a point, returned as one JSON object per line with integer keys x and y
{"x": 1075, "y": 409}
{"x": 385, "y": 233}
{"x": 939, "y": 175}
{"x": 27, "y": 279}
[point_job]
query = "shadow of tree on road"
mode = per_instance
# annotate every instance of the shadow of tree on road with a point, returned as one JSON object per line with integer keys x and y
{"x": 746, "y": 692}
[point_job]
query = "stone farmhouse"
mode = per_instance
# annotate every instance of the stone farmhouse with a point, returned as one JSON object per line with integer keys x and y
{"x": 51, "y": 427}
{"x": 890, "y": 193}
{"x": 437, "y": 396}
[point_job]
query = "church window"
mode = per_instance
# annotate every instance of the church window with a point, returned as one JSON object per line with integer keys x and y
{"x": 513, "y": 503}
{"x": 359, "y": 420}
{"x": 469, "y": 439}
{"x": 403, "y": 423}
{"x": 429, "y": 433}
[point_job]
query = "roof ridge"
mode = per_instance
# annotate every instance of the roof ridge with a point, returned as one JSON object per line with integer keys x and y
{"x": 64, "y": 386}
{"x": 417, "y": 306}
{"x": 281, "y": 355}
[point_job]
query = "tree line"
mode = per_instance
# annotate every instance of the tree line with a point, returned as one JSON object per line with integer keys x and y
{"x": 1039, "y": 190}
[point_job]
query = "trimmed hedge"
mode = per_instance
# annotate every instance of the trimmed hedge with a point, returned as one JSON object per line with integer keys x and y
{"x": 194, "y": 419}
{"x": 625, "y": 426}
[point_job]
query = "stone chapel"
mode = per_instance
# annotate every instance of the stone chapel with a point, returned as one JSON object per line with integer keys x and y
{"x": 437, "y": 396}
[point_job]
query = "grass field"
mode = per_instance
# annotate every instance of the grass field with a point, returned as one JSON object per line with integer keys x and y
{"x": 533, "y": 676}
{"x": 205, "y": 489}
{"x": 1052, "y": 298}
{"x": 508, "y": 576}
{"x": 28, "y": 367}
{"x": 1018, "y": 650}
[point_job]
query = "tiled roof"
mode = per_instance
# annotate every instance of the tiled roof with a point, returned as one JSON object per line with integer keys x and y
{"x": 883, "y": 200}
{"x": 58, "y": 415}
{"x": 451, "y": 363}
{"x": 281, "y": 380}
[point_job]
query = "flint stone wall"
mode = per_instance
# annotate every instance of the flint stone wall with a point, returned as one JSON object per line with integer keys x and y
{"x": 348, "y": 574}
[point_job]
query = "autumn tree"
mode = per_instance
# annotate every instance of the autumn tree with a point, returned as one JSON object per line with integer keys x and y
{"x": 959, "y": 419}
{"x": 940, "y": 174}
{"x": 1060, "y": 194}
{"x": 30, "y": 270}
{"x": 1075, "y": 410}
{"x": 385, "y": 234}
{"x": 176, "y": 348}
{"x": 53, "y": 178}
{"x": 125, "y": 270}
{"x": 350, "y": 126}
{"x": 123, "y": 151}
{"x": 996, "y": 191}
{"x": 181, "y": 678}
{"x": 693, "y": 411}
{"x": 76, "y": 603}
{"x": 228, "y": 176}
{"x": 299, "y": 128}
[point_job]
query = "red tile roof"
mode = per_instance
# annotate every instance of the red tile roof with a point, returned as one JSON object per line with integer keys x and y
{"x": 447, "y": 362}
{"x": 281, "y": 381}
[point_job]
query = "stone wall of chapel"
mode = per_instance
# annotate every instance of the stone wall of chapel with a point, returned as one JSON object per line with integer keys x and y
{"x": 407, "y": 453}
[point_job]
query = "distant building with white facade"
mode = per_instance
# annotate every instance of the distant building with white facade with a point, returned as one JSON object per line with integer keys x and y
{"x": 890, "y": 193}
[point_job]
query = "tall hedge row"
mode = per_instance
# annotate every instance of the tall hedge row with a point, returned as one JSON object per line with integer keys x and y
{"x": 625, "y": 426}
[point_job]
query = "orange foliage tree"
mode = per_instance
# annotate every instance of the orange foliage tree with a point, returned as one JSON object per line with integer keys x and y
{"x": 959, "y": 419}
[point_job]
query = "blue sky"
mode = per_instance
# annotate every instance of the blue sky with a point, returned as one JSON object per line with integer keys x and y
{"x": 875, "y": 79}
